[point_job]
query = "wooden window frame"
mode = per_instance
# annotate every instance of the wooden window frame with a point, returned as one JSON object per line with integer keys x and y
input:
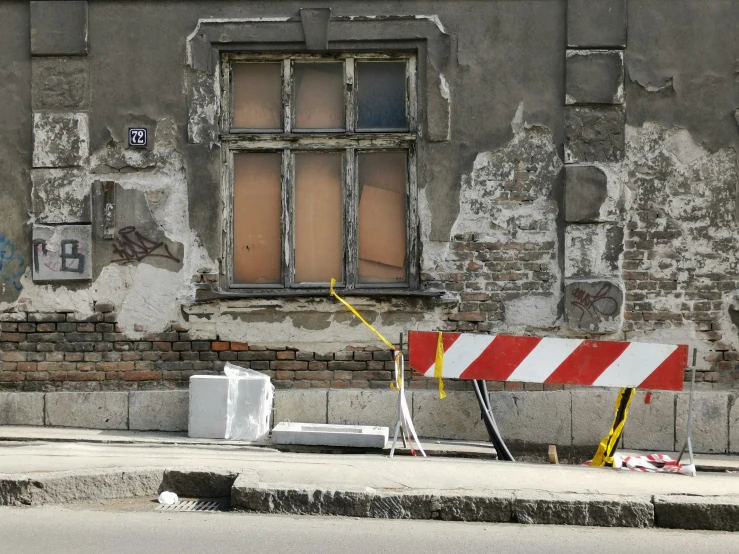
{"x": 349, "y": 142}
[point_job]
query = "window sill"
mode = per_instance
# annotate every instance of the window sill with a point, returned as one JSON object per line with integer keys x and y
{"x": 203, "y": 295}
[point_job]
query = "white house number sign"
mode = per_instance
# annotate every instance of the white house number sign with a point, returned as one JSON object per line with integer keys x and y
{"x": 138, "y": 137}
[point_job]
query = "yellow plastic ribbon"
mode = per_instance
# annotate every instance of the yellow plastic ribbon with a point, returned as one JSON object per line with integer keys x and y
{"x": 604, "y": 455}
{"x": 394, "y": 386}
{"x": 439, "y": 365}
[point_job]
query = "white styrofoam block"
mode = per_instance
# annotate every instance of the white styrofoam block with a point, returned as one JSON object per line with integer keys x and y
{"x": 209, "y": 404}
{"x": 361, "y": 436}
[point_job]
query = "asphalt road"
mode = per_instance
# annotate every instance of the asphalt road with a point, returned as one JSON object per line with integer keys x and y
{"x": 81, "y": 530}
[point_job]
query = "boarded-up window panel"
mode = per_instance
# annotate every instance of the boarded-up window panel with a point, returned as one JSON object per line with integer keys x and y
{"x": 256, "y": 221}
{"x": 382, "y": 217}
{"x": 257, "y": 95}
{"x": 318, "y": 217}
{"x": 319, "y": 95}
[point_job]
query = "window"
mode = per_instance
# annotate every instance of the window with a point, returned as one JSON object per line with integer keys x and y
{"x": 320, "y": 155}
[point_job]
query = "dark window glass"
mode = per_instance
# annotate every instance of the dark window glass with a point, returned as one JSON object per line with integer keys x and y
{"x": 381, "y": 95}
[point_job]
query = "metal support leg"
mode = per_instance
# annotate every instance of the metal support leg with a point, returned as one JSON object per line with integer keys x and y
{"x": 688, "y": 439}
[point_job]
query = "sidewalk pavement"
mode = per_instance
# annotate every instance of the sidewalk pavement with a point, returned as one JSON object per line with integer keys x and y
{"x": 51, "y": 465}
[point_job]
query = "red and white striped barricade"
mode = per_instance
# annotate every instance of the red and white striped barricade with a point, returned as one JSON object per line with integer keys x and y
{"x": 550, "y": 360}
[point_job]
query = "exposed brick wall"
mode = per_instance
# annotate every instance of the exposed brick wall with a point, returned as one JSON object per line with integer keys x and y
{"x": 487, "y": 274}
{"x": 56, "y": 351}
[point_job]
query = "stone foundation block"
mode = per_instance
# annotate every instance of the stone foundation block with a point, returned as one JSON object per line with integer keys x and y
{"x": 592, "y": 415}
{"x": 364, "y": 407}
{"x": 59, "y": 83}
{"x": 21, "y": 408}
{"x": 303, "y": 406}
{"x": 158, "y": 410}
{"x": 455, "y": 417}
{"x": 710, "y": 421}
{"x": 60, "y": 139}
{"x": 60, "y": 196}
{"x": 734, "y": 427}
{"x": 93, "y": 410}
{"x": 650, "y": 427}
{"x": 586, "y": 189}
{"x": 596, "y": 23}
{"x": 58, "y": 28}
{"x": 594, "y": 77}
{"x": 594, "y": 134}
{"x": 594, "y": 306}
{"x": 593, "y": 250}
{"x": 534, "y": 417}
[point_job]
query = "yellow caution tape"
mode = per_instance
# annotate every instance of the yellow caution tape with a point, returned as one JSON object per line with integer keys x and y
{"x": 604, "y": 455}
{"x": 356, "y": 313}
{"x": 394, "y": 386}
{"x": 439, "y": 365}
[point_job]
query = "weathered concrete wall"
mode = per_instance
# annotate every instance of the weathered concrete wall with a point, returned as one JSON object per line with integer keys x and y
{"x": 571, "y": 185}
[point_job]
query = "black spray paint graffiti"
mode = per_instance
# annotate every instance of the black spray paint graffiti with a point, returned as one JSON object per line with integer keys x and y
{"x": 12, "y": 264}
{"x": 71, "y": 257}
{"x": 131, "y": 246}
{"x": 599, "y": 305}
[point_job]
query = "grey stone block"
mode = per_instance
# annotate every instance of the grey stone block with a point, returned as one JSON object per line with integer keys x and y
{"x": 21, "y": 408}
{"x": 60, "y": 196}
{"x": 321, "y": 434}
{"x": 714, "y": 513}
{"x": 455, "y": 417}
{"x": 596, "y": 23}
{"x": 592, "y": 415}
{"x": 60, "y": 139}
{"x": 363, "y": 407}
{"x": 199, "y": 483}
{"x": 304, "y": 406}
{"x": 710, "y": 421}
{"x": 315, "y": 27}
{"x": 601, "y": 510}
{"x": 594, "y": 306}
{"x": 349, "y": 501}
{"x": 594, "y": 134}
{"x": 734, "y": 427}
{"x": 586, "y": 189}
{"x": 534, "y": 417}
{"x": 651, "y": 427}
{"x": 158, "y": 410}
{"x": 593, "y": 250}
{"x": 93, "y": 410}
{"x": 62, "y": 253}
{"x": 594, "y": 77}
{"x": 59, "y": 83}
{"x": 58, "y": 28}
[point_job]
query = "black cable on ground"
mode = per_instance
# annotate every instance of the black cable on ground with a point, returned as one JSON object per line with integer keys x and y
{"x": 487, "y": 417}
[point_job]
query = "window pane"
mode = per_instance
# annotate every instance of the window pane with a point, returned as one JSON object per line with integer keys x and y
{"x": 319, "y": 95}
{"x": 381, "y": 87}
{"x": 318, "y": 218}
{"x": 257, "y": 209}
{"x": 382, "y": 217}
{"x": 257, "y": 95}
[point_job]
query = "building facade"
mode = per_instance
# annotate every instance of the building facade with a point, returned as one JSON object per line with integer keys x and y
{"x": 181, "y": 180}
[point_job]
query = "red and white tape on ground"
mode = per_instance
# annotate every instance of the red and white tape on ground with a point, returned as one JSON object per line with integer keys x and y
{"x": 652, "y": 463}
{"x": 551, "y": 360}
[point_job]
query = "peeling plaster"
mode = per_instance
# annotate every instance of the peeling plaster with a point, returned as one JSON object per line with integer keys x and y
{"x": 146, "y": 298}
{"x": 684, "y": 192}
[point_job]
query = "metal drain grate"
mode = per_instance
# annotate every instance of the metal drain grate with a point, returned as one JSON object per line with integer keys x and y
{"x": 195, "y": 506}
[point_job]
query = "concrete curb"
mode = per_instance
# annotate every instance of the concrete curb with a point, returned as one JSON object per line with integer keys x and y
{"x": 716, "y": 513}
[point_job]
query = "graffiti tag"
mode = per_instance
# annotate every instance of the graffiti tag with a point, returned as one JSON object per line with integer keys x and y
{"x": 70, "y": 260}
{"x": 599, "y": 305}
{"x": 131, "y": 246}
{"x": 12, "y": 264}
